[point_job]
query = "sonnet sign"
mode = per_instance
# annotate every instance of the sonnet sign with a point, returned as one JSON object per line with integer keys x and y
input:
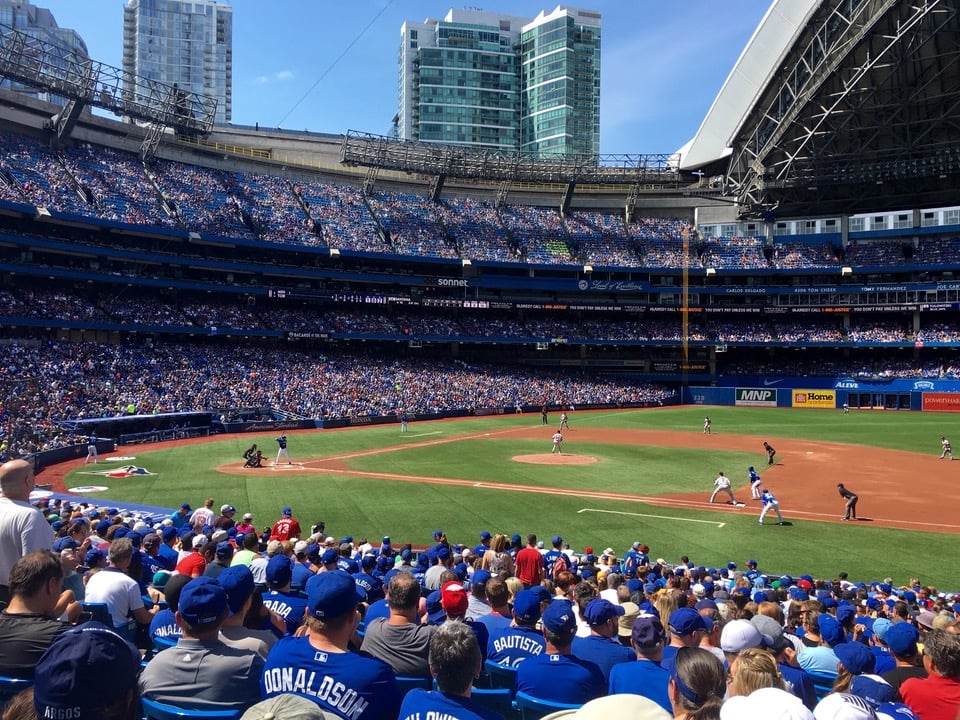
{"x": 756, "y": 397}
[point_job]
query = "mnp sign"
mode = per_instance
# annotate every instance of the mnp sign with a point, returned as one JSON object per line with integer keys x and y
{"x": 756, "y": 397}
{"x": 814, "y": 398}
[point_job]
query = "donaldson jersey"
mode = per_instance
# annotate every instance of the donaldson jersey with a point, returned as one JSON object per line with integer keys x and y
{"x": 164, "y": 625}
{"x": 513, "y": 645}
{"x": 350, "y": 685}
{"x": 288, "y": 606}
{"x": 418, "y": 704}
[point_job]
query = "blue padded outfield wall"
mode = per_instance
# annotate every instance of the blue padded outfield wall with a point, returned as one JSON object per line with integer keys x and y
{"x": 931, "y": 395}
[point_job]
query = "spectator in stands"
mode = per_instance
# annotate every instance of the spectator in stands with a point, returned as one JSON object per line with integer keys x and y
{"x": 30, "y": 623}
{"x": 119, "y": 591}
{"x": 646, "y": 676}
{"x": 280, "y": 599}
{"x": 698, "y": 684}
{"x": 23, "y": 528}
{"x": 602, "y": 647}
{"x": 901, "y": 638}
{"x": 223, "y": 557}
{"x": 455, "y": 662}
{"x": 164, "y": 622}
{"x": 237, "y": 581}
{"x": 400, "y": 640}
{"x": 88, "y": 672}
{"x": 521, "y": 639}
{"x": 938, "y": 695}
{"x": 202, "y": 672}
{"x": 821, "y": 659}
{"x": 686, "y": 626}
{"x": 297, "y": 665}
{"x": 557, "y": 675}
{"x": 498, "y": 597}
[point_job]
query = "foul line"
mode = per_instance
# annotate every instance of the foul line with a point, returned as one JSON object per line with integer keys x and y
{"x": 657, "y": 517}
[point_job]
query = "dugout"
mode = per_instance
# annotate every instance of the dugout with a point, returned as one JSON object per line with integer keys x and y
{"x": 131, "y": 429}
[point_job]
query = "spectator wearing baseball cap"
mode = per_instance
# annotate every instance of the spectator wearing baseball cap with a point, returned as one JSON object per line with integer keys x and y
{"x": 455, "y": 602}
{"x": 855, "y": 659}
{"x": 167, "y": 553}
{"x": 280, "y": 600}
{"x": 822, "y": 659}
{"x": 478, "y": 603}
{"x": 645, "y": 676}
{"x": 287, "y": 527}
{"x": 246, "y": 525}
{"x": 520, "y": 639}
{"x": 481, "y": 549}
{"x": 602, "y": 646}
{"x": 401, "y": 640}
{"x": 557, "y": 675}
{"x": 225, "y": 521}
{"x": 370, "y": 690}
{"x": 222, "y": 558}
{"x": 180, "y": 517}
{"x": 87, "y": 673}
{"x": 901, "y": 639}
{"x": 248, "y": 549}
{"x": 237, "y": 582}
{"x": 202, "y": 672}
{"x": 686, "y": 627}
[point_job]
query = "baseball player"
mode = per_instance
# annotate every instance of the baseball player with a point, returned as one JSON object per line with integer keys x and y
{"x": 563, "y": 421}
{"x": 557, "y": 439}
{"x": 707, "y": 424}
{"x": 282, "y": 442}
{"x": 769, "y": 503}
{"x": 722, "y": 484}
{"x": 770, "y": 452}
{"x": 754, "y": 484}
{"x": 851, "y": 498}
{"x": 92, "y": 450}
{"x": 947, "y": 452}
{"x": 404, "y": 419}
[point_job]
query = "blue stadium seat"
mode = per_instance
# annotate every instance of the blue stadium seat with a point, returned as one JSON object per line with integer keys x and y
{"x": 531, "y": 708}
{"x": 500, "y": 676}
{"x": 163, "y": 643}
{"x": 407, "y": 684}
{"x": 153, "y": 710}
{"x": 10, "y": 686}
{"x": 822, "y": 684}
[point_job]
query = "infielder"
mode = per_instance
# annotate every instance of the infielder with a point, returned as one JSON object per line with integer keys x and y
{"x": 92, "y": 450}
{"x": 851, "y": 498}
{"x": 563, "y": 422}
{"x": 722, "y": 484}
{"x": 707, "y": 424}
{"x": 557, "y": 439}
{"x": 282, "y": 442}
{"x": 947, "y": 452}
{"x": 754, "y": 484}
{"x": 770, "y": 452}
{"x": 769, "y": 503}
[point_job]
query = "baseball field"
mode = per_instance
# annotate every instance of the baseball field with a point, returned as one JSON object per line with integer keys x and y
{"x": 625, "y": 475}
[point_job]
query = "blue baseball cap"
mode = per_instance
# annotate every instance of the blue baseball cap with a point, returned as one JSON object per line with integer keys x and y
{"x": 224, "y": 550}
{"x": 560, "y": 618}
{"x": 480, "y": 577}
{"x": 902, "y": 639}
{"x": 526, "y": 606}
{"x": 830, "y": 630}
{"x": 279, "y": 570}
{"x": 443, "y": 553}
{"x": 202, "y": 601}
{"x": 185, "y": 506}
{"x": 434, "y": 606}
{"x": 237, "y": 581}
{"x": 599, "y": 610}
{"x": 647, "y": 631}
{"x": 516, "y": 538}
{"x": 872, "y": 688}
{"x": 329, "y": 556}
{"x": 685, "y": 621}
{"x": 541, "y": 593}
{"x": 69, "y": 677}
{"x": 287, "y": 512}
{"x": 845, "y": 613}
{"x": 169, "y": 533}
{"x": 437, "y": 534}
{"x": 93, "y": 556}
{"x": 65, "y": 543}
{"x": 485, "y": 535}
{"x": 856, "y": 657}
{"x": 332, "y": 594}
{"x": 557, "y": 540}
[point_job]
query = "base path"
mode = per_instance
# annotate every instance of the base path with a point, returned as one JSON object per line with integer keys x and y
{"x": 804, "y": 478}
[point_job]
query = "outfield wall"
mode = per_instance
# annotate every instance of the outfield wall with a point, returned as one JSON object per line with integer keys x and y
{"x": 830, "y": 393}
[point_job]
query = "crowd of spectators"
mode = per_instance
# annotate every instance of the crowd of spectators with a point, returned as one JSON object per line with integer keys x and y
{"x": 228, "y": 617}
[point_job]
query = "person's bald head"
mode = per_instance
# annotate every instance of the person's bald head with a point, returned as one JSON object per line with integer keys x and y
{"x": 16, "y": 479}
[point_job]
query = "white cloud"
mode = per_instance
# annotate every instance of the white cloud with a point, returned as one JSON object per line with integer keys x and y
{"x": 279, "y": 76}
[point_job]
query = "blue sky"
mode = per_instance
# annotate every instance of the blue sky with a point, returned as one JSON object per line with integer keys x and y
{"x": 663, "y": 60}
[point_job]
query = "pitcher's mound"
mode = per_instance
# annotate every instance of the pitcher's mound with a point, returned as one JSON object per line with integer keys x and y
{"x": 553, "y": 459}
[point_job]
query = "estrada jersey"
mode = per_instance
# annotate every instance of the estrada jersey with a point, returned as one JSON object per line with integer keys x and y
{"x": 418, "y": 704}
{"x": 351, "y": 685}
{"x": 288, "y": 606}
{"x": 513, "y": 645}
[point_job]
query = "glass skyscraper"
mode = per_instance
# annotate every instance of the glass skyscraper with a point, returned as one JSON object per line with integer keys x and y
{"x": 189, "y": 44}
{"x": 39, "y": 23}
{"x": 502, "y": 82}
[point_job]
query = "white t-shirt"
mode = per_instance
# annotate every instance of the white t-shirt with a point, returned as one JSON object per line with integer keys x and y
{"x": 118, "y": 590}
{"x": 23, "y": 530}
{"x": 201, "y": 516}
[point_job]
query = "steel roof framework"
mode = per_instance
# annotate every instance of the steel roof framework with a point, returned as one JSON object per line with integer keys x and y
{"x": 868, "y": 96}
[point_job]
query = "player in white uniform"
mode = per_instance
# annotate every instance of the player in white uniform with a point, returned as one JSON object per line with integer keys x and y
{"x": 722, "y": 484}
{"x": 563, "y": 421}
{"x": 754, "y": 483}
{"x": 707, "y": 424}
{"x": 282, "y": 442}
{"x": 557, "y": 440}
{"x": 769, "y": 503}
{"x": 947, "y": 452}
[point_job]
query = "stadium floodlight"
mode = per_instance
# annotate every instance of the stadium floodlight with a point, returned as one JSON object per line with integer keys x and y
{"x": 588, "y": 269}
{"x": 846, "y": 270}
{"x": 711, "y": 272}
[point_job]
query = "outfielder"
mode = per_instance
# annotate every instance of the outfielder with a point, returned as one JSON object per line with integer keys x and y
{"x": 769, "y": 503}
{"x": 754, "y": 484}
{"x": 282, "y": 442}
{"x": 557, "y": 440}
{"x": 947, "y": 452}
{"x": 722, "y": 484}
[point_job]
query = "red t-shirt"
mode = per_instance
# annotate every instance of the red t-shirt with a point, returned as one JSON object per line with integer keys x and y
{"x": 285, "y": 529}
{"x": 192, "y": 564}
{"x": 528, "y": 567}
{"x": 932, "y": 698}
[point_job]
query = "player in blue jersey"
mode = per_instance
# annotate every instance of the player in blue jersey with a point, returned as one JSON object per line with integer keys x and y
{"x": 282, "y": 450}
{"x": 557, "y": 675}
{"x": 769, "y": 503}
{"x": 754, "y": 483}
{"x": 455, "y": 661}
{"x": 288, "y": 605}
{"x": 319, "y": 666}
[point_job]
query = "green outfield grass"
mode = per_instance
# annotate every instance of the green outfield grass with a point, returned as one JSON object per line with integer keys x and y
{"x": 410, "y": 511}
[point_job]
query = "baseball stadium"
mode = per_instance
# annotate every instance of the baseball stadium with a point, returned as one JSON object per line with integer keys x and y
{"x": 174, "y": 292}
